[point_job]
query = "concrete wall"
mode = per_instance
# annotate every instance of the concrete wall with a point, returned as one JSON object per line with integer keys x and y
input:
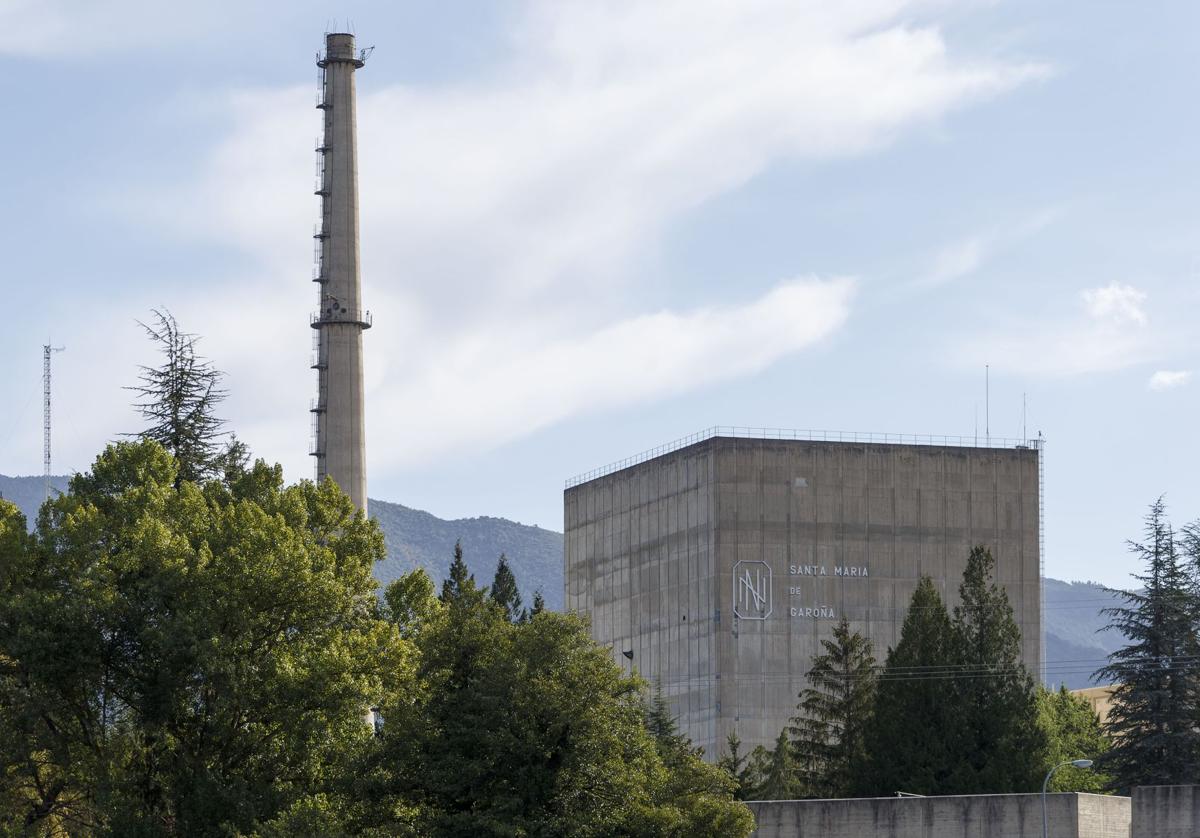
{"x": 657, "y": 554}
{"x": 969, "y": 816}
{"x": 1166, "y": 812}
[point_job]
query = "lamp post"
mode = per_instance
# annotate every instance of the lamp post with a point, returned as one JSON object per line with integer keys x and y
{"x": 1078, "y": 763}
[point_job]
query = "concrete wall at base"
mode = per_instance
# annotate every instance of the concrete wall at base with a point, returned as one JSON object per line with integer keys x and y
{"x": 966, "y": 816}
{"x": 1166, "y": 812}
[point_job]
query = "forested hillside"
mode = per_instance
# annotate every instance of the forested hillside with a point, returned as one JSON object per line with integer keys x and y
{"x": 418, "y": 539}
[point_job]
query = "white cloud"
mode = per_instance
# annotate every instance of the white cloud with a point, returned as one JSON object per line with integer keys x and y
{"x": 528, "y": 382}
{"x": 1169, "y": 379}
{"x": 1116, "y": 303}
{"x": 500, "y": 215}
{"x": 1110, "y": 336}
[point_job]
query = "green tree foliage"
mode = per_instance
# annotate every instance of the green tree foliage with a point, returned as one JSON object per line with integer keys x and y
{"x": 909, "y": 735}
{"x": 955, "y": 711}
{"x": 528, "y": 728}
{"x": 997, "y": 732}
{"x": 410, "y": 601}
{"x": 827, "y": 734}
{"x": 504, "y": 591}
{"x": 1072, "y": 731}
{"x": 188, "y": 660}
{"x": 1153, "y": 718}
{"x": 780, "y": 780}
{"x": 177, "y": 400}
{"x": 539, "y": 604}
{"x": 739, "y": 767}
{"x": 460, "y": 584}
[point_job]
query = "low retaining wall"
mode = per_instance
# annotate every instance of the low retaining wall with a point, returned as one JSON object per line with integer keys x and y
{"x": 961, "y": 816}
{"x": 1166, "y": 812}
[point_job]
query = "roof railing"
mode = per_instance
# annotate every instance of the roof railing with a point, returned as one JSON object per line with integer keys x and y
{"x": 740, "y": 432}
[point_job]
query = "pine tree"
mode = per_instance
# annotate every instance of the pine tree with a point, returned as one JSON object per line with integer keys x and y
{"x": 993, "y": 692}
{"x": 178, "y": 398}
{"x": 661, "y": 722}
{"x": 1153, "y": 716}
{"x": 539, "y": 604}
{"x": 460, "y": 584}
{"x": 827, "y": 734}
{"x": 907, "y": 736}
{"x": 505, "y": 592}
{"x": 739, "y": 766}
{"x": 779, "y": 779}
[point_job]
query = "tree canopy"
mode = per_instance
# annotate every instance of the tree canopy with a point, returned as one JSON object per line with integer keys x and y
{"x": 183, "y": 659}
{"x": 529, "y": 728}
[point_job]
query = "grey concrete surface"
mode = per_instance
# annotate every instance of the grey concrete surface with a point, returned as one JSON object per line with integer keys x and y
{"x": 340, "y": 444}
{"x": 1166, "y": 812}
{"x": 966, "y": 816}
{"x": 721, "y": 566}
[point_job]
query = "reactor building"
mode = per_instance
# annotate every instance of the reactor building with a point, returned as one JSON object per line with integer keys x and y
{"x": 339, "y": 435}
{"x": 714, "y": 566}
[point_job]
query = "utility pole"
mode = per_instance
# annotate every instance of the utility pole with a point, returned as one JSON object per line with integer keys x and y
{"x": 46, "y": 350}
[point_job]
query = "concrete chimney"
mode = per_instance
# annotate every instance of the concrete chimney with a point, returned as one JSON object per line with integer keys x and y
{"x": 339, "y": 428}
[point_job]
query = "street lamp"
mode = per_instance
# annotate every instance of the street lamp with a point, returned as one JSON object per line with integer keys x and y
{"x": 1078, "y": 763}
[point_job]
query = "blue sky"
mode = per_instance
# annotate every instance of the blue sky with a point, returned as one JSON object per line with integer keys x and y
{"x": 591, "y": 228}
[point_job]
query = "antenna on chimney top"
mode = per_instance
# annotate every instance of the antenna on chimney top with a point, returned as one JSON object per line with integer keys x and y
{"x": 46, "y": 350}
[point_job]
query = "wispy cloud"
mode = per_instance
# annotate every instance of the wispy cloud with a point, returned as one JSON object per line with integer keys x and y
{"x": 957, "y": 260}
{"x": 528, "y": 382}
{"x": 1109, "y": 333}
{"x": 965, "y": 256}
{"x": 1168, "y": 379}
{"x": 501, "y": 214}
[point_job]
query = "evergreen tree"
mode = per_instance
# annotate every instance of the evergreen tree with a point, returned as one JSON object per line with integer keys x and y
{"x": 539, "y": 604}
{"x": 779, "y": 780}
{"x": 178, "y": 398}
{"x": 661, "y": 724}
{"x": 907, "y": 740}
{"x": 460, "y": 584}
{"x": 234, "y": 461}
{"x": 998, "y": 736}
{"x": 1153, "y": 717}
{"x": 827, "y": 734}
{"x": 739, "y": 766}
{"x": 505, "y": 592}
{"x": 1072, "y": 731}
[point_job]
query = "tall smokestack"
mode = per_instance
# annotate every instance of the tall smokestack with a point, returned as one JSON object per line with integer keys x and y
{"x": 340, "y": 443}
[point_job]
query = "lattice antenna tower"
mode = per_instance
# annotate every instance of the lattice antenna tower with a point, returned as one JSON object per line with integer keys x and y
{"x": 47, "y": 349}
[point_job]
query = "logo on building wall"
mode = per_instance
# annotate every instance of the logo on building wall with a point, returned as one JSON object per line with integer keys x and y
{"x": 752, "y": 590}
